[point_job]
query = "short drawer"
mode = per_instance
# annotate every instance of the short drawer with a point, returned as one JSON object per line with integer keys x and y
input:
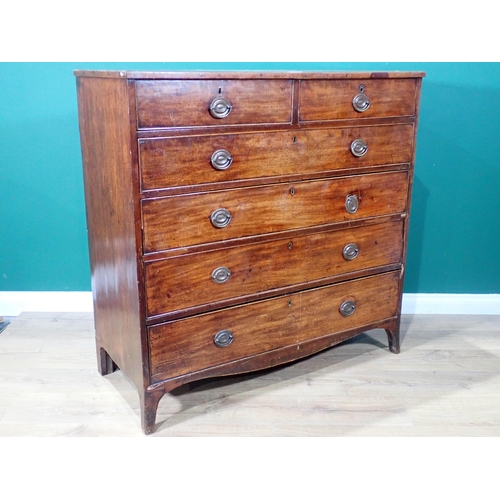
{"x": 212, "y": 339}
{"x": 214, "y": 277}
{"x": 184, "y": 220}
{"x": 193, "y": 160}
{"x": 188, "y": 103}
{"x": 323, "y": 100}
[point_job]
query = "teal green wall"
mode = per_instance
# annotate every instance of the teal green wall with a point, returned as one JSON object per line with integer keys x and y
{"x": 454, "y": 233}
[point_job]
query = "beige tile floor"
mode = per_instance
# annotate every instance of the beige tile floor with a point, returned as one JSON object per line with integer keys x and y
{"x": 445, "y": 382}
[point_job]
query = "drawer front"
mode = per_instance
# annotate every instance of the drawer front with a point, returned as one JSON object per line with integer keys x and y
{"x": 333, "y": 99}
{"x": 180, "y": 221}
{"x": 207, "y": 277}
{"x": 185, "y": 161}
{"x": 189, "y": 345}
{"x": 186, "y": 103}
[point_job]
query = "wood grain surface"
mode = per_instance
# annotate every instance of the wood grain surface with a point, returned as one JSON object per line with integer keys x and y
{"x": 445, "y": 382}
{"x": 247, "y": 75}
{"x": 184, "y": 282}
{"x": 112, "y": 215}
{"x": 332, "y": 99}
{"x": 268, "y": 325}
{"x": 185, "y": 161}
{"x": 178, "y": 221}
{"x": 183, "y": 103}
{"x": 152, "y": 194}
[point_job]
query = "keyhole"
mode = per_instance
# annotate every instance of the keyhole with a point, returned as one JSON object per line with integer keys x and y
{"x": 292, "y": 191}
{"x": 294, "y": 140}
{"x": 361, "y": 88}
{"x": 290, "y": 245}
{"x": 289, "y": 303}
{"x": 220, "y": 90}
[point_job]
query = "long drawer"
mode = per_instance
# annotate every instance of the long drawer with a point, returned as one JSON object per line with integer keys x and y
{"x": 187, "y": 103}
{"x": 184, "y": 220}
{"x": 220, "y": 337}
{"x": 187, "y": 281}
{"x": 337, "y": 99}
{"x": 192, "y": 160}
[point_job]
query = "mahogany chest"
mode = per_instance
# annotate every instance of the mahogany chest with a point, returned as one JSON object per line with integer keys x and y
{"x": 240, "y": 220}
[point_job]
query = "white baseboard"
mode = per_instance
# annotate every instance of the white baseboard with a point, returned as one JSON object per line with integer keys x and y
{"x": 450, "y": 303}
{"x": 13, "y": 303}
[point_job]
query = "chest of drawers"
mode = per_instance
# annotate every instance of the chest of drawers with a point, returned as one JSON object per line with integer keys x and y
{"x": 240, "y": 220}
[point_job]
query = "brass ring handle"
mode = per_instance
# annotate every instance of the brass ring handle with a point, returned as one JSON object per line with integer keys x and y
{"x": 359, "y": 148}
{"x": 347, "y": 308}
{"x": 350, "y": 251}
{"x": 221, "y": 159}
{"x": 361, "y": 103}
{"x": 351, "y": 203}
{"x": 223, "y": 338}
{"x": 220, "y": 107}
{"x": 220, "y": 218}
{"x": 221, "y": 275}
